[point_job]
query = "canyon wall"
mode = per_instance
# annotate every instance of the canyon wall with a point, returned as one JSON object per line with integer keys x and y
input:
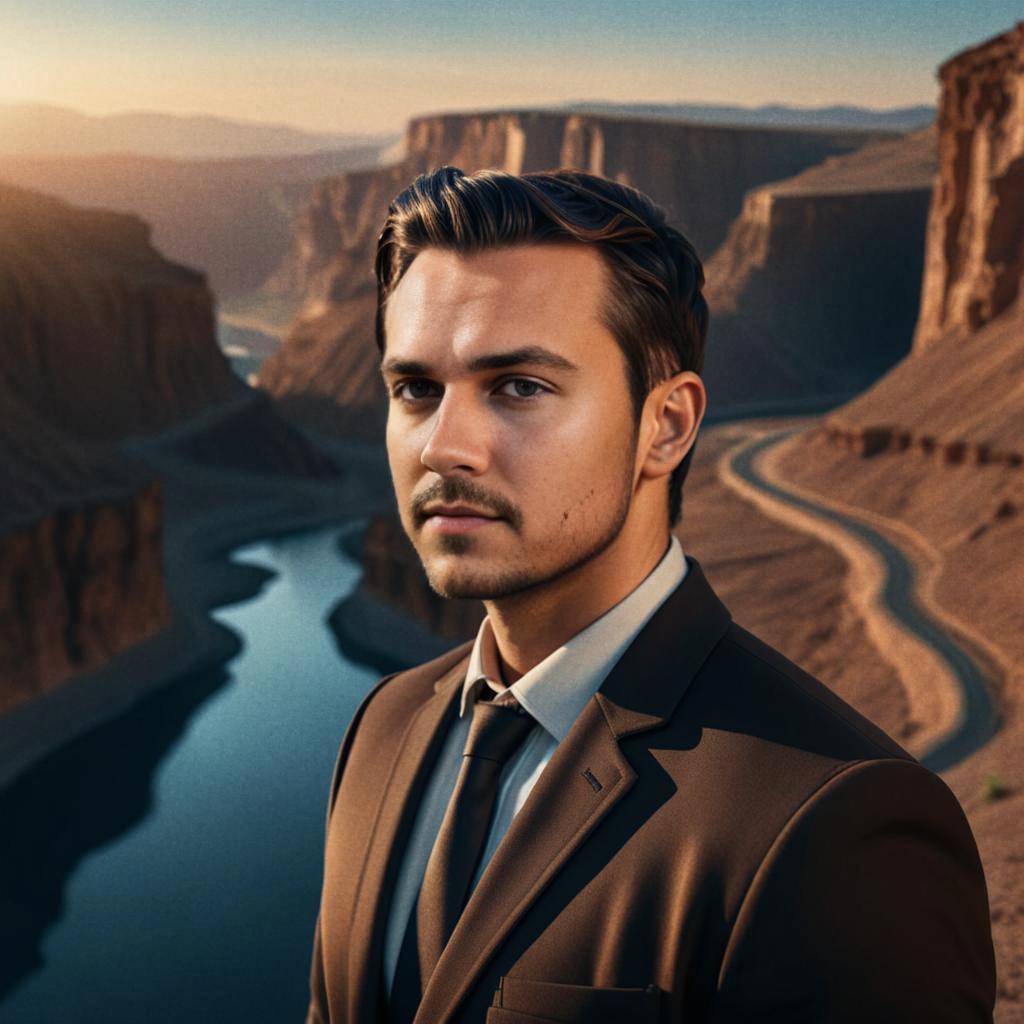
{"x": 327, "y": 368}
{"x": 102, "y": 336}
{"x": 974, "y": 264}
{"x": 814, "y": 293}
{"x": 958, "y": 395}
{"x": 81, "y": 571}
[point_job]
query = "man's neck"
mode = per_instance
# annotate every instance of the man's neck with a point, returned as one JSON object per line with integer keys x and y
{"x": 530, "y": 625}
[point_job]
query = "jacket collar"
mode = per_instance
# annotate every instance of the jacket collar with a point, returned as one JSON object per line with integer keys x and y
{"x": 555, "y": 691}
{"x": 646, "y": 686}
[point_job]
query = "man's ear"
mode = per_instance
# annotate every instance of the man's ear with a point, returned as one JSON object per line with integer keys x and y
{"x": 672, "y": 416}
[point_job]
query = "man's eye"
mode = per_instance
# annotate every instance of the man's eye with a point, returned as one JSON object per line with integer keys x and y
{"x": 414, "y": 389}
{"x": 521, "y": 387}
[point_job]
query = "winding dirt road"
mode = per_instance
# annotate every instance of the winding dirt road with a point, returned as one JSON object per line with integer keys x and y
{"x": 890, "y": 583}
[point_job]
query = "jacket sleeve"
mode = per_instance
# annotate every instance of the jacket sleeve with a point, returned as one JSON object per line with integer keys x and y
{"x": 317, "y": 1011}
{"x": 870, "y": 905}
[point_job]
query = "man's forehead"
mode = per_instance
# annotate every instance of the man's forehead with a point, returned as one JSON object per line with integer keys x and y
{"x": 513, "y": 296}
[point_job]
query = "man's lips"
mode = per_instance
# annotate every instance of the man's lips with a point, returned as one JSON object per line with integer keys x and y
{"x": 449, "y": 511}
{"x": 457, "y": 518}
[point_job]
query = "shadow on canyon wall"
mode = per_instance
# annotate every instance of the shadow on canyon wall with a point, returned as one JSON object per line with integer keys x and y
{"x": 86, "y": 794}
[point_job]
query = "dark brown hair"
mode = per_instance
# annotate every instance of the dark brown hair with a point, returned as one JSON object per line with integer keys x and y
{"x": 654, "y": 308}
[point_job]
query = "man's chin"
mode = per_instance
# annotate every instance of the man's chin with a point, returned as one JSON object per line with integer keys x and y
{"x": 462, "y": 581}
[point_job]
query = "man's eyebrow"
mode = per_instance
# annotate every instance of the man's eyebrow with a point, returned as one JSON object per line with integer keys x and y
{"x": 532, "y": 355}
{"x": 405, "y": 367}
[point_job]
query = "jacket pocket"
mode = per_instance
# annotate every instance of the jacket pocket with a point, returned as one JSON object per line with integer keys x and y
{"x": 499, "y": 1015}
{"x": 524, "y": 1001}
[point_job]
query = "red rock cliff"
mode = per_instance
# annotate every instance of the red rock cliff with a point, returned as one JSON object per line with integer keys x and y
{"x": 81, "y": 573}
{"x": 974, "y": 264}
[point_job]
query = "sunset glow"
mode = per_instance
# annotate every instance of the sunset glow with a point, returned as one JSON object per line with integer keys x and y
{"x": 362, "y": 67}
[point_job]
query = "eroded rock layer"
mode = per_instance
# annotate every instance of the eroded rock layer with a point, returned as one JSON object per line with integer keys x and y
{"x": 974, "y": 265}
{"x": 100, "y": 338}
{"x": 81, "y": 571}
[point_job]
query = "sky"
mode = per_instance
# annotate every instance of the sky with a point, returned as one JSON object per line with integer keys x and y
{"x": 368, "y": 65}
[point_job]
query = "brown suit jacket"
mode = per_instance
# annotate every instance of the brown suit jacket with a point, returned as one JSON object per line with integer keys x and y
{"x": 719, "y": 838}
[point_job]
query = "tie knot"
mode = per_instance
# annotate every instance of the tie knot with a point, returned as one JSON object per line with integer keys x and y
{"x": 497, "y": 729}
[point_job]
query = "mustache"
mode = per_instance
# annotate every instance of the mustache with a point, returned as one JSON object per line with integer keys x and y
{"x": 455, "y": 489}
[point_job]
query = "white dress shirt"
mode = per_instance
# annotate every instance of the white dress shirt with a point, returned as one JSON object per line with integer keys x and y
{"x": 554, "y": 692}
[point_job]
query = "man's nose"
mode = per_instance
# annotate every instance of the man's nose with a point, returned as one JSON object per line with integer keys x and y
{"x": 458, "y": 438}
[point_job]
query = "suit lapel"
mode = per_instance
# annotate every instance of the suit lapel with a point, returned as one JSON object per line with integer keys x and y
{"x": 397, "y": 803}
{"x": 561, "y": 811}
{"x": 565, "y": 806}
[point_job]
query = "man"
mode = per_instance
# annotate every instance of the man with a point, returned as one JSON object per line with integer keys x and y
{"x": 615, "y": 804}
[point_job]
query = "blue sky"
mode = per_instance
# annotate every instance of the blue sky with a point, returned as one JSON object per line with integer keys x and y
{"x": 356, "y": 65}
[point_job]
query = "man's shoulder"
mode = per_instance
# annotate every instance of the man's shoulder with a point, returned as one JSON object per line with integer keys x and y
{"x": 767, "y": 696}
{"x": 777, "y": 747}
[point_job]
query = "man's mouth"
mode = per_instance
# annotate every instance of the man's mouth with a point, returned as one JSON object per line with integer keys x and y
{"x": 461, "y": 505}
{"x": 457, "y": 518}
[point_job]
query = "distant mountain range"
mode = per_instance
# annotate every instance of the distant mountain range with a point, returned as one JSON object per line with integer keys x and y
{"x": 41, "y": 130}
{"x": 840, "y": 116}
{"x": 32, "y": 129}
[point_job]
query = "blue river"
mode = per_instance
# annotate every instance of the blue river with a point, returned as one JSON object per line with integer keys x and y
{"x": 203, "y": 910}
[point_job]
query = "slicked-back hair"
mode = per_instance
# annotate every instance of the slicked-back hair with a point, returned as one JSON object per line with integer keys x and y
{"x": 654, "y": 307}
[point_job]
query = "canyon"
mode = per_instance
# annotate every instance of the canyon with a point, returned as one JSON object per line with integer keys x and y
{"x": 103, "y": 339}
{"x": 967, "y": 343}
{"x": 103, "y": 336}
{"x": 230, "y": 218}
{"x": 326, "y": 371}
{"x": 878, "y": 270}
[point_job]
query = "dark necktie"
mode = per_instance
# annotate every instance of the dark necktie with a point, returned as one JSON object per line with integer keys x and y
{"x": 497, "y": 730}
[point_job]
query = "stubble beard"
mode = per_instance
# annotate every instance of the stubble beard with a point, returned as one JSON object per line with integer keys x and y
{"x": 475, "y": 586}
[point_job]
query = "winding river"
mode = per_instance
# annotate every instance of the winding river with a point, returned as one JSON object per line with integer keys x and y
{"x": 203, "y": 909}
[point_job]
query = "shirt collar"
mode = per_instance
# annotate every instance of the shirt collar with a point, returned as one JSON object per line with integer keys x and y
{"x": 555, "y": 691}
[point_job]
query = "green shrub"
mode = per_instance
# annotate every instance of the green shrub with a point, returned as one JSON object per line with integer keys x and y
{"x": 995, "y": 788}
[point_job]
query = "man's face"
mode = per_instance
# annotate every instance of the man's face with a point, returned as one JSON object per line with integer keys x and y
{"x": 511, "y": 435}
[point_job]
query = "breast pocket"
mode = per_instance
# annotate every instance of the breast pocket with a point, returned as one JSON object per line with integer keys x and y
{"x": 522, "y": 1001}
